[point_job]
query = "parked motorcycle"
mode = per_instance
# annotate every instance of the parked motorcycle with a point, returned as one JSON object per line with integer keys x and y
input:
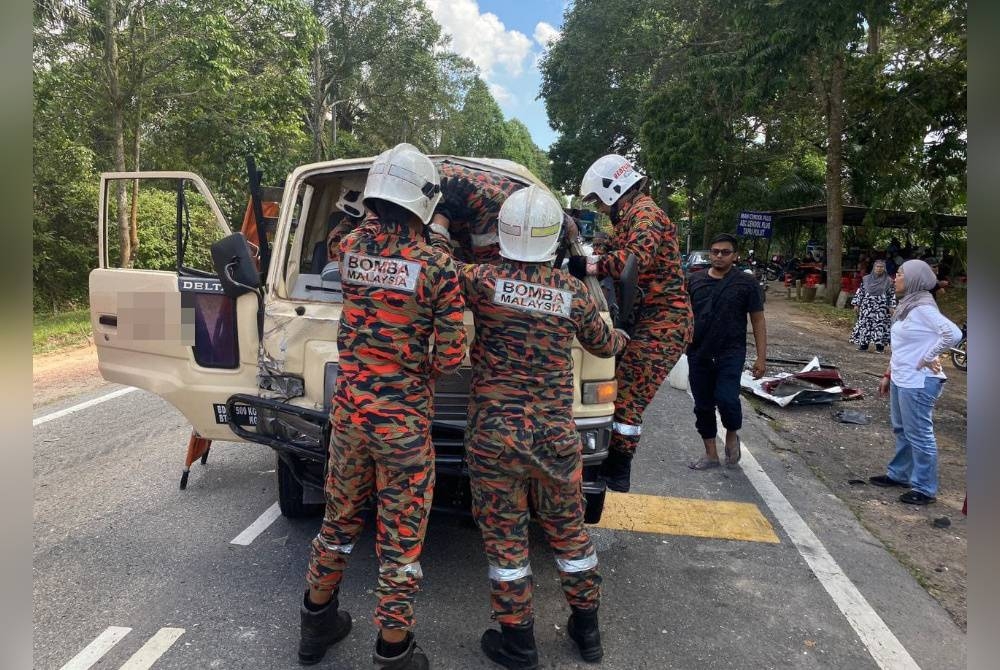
{"x": 775, "y": 268}
{"x": 751, "y": 268}
{"x": 959, "y": 354}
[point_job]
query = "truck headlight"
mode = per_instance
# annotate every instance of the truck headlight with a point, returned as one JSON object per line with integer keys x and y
{"x": 595, "y": 393}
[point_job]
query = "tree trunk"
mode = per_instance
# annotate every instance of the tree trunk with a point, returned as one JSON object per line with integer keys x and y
{"x": 333, "y": 122}
{"x": 834, "y": 187}
{"x": 317, "y": 113}
{"x": 709, "y": 202}
{"x": 874, "y": 37}
{"x": 690, "y": 226}
{"x": 133, "y": 225}
{"x": 118, "y": 129}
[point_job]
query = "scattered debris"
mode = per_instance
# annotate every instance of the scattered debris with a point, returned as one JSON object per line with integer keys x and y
{"x": 852, "y": 416}
{"x": 942, "y": 522}
{"x": 786, "y": 388}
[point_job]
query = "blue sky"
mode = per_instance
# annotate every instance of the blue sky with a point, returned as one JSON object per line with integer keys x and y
{"x": 505, "y": 39}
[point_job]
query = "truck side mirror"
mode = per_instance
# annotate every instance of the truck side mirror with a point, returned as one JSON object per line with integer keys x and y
{"x": 628, "y": 288}
{"x": 234, "y": 265}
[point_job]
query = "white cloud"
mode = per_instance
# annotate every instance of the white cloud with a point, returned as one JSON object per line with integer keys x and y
{"x": 502, "y": 95}
{"x": 482, "y": 38}
{"x": 545, "y": 33}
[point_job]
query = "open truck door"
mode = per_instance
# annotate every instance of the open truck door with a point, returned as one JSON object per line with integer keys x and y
{"x": 169, "y": 327}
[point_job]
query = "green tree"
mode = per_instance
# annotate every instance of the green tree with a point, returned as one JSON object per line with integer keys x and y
{"x": 478, "y": 129}
{"x": 382, "y": 74}
{"x": 167, "y": 83}
{"x": 519, "y": 147}
{"x": 596, "y": 78}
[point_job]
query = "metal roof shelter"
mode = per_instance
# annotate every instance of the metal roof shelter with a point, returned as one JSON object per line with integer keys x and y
{"x": 854, "y": 215}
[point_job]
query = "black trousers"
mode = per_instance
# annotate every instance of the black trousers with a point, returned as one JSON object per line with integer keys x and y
{"x": 715, "y": 383}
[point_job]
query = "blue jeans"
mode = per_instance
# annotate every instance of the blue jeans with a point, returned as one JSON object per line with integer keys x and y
{"x": 911, "y": 413}
{"x": 715, "y": 382}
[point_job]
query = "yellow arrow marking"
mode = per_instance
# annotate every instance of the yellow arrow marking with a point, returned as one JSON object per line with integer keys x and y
{"x": 720, "y": 519}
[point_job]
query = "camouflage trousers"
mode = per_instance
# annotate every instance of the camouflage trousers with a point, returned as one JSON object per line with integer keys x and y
{"x": 388, "y": 452}
{"x": 513, "y": 458}
{"x": 640, "y": 372}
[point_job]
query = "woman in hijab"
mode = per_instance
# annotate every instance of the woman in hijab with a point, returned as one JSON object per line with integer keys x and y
{"x": 914, "y": 381}
{"x": 874, "y": 302}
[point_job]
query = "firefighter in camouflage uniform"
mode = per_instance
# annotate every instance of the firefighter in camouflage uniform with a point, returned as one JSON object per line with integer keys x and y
{"x": 401, "y": 326}
{"x": 471, "y": 201}
{"x": 521, "y": 441}
{"x": 664, "y": 320}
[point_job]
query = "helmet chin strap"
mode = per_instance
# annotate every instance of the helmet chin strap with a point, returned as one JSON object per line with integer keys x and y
{"x": 624, "y": 202}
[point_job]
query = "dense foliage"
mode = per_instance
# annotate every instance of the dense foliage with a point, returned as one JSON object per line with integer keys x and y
{"x": 768, "y": 104}
{"x": 173, "y": 85}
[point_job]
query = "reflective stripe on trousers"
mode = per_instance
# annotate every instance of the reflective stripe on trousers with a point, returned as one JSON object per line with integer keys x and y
{"x": 627, "y": 429}
{"x": 339, "y": 548}
{"x": 499, "y": 574}
{"x": 571, "y": 565}
{"x": 413, "y": 569}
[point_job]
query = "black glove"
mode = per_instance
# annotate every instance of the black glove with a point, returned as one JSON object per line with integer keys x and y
{"x": 455, "y": 194}
{"x": 578, "y": 266}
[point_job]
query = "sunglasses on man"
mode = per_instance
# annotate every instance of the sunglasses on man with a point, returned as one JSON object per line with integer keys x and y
{"x": 720, "y": 252}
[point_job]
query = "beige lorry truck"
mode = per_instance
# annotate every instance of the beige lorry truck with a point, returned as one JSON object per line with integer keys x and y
{"x": 249, "y": 354}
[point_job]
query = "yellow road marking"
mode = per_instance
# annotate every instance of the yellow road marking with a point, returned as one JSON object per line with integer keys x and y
{"x": 720, "y": 519}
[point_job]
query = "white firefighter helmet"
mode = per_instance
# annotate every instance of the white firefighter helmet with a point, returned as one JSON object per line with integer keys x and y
{"x": 349, "y": 202}
{"x": 608, "y": 178}
{"x": 529, "y": 223}
{"x": 405, "y": 176}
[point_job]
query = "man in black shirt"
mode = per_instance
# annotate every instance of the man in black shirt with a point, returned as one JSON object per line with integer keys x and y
{"x": 721, "y": 298}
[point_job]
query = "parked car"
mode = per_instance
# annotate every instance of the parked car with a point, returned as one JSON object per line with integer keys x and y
{"x": 249, "y": 354}
{"x": 697, "y": 260}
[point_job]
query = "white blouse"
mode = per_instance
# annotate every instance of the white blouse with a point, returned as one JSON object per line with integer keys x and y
{"x": 923, "y": 335}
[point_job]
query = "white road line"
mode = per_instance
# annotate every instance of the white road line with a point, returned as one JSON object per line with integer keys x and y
{"x": 887, "y": 651}
{"x": 93, "y": 652}
{"x": 258, "y": 526}
{"x": 155, "y": 647}
{"x": 83, "y": 405}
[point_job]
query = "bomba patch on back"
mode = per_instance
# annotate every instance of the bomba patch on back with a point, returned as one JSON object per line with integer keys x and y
{"x": 533, "y": 297}
{"x": 394, "y": 273}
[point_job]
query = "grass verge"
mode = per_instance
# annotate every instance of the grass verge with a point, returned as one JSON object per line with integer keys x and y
{"x": 951, "y": 301}
{"x": 828, "y": 314}
{"x": 51, "y": 332}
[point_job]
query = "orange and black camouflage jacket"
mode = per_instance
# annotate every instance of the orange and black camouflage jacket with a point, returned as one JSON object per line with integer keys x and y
{"x": 645, "y": 231}
{"x": 401, "y": 324}
{"x": 526, "y": 317}
{"x": 471, "y": 199}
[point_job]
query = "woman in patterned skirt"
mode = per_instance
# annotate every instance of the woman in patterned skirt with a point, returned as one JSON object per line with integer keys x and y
{"x": 874, "y": 303}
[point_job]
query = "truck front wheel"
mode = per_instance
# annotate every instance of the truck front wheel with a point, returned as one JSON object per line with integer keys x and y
{"x": 290, "y": 494}
{"x": 594, "y": 506}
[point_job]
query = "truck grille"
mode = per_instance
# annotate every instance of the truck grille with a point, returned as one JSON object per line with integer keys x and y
{"x": 451, "y": 397}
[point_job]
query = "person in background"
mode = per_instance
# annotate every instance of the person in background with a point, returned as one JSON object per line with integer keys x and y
{"x": 914, "y": 381}
{"x": 873, "y": 302}
{"x": 722, "y": 297}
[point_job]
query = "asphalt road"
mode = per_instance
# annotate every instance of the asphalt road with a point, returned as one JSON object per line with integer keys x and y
{"x": 122, "y": 556}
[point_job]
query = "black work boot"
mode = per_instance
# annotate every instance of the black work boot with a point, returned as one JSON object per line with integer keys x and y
{"x": 321, "y": 629}
{"x": 411, "y": 658}
{"x": 616, "y": 471}
{"x": 582, "y": 628}
{"x": 513, "y": 647}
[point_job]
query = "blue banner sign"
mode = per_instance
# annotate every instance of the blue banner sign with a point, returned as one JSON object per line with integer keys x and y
{"x": 754, "y": 224}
